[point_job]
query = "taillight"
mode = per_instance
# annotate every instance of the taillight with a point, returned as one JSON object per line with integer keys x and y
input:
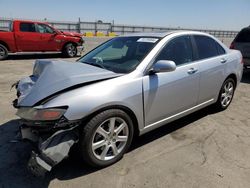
{"x": 232, "y": 46}
{"x": 242, "y": 62}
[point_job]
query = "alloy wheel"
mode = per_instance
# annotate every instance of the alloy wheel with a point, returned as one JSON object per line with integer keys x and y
{"x": 110, "y": 138}
{"x": 2, "y": 52}
{"x": 227, "y": 94}
{"x": 72, "y": 50}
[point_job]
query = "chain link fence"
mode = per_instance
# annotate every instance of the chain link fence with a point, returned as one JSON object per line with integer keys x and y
{"x": 106, "y": 27}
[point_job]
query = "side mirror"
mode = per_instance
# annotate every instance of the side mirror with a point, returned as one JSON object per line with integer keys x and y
{"x": 163, "y": 66}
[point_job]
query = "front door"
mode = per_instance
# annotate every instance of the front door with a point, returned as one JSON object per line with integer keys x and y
{"x": 167, "y": 94}
{"x": 48, "y": 39}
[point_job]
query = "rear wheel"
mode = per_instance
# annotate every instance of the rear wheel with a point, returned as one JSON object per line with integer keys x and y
{"x": 226, "y": 94}
{"x": 70, "y": 50}
{"x": 106, "y": 138}
{"x": 3, "y": 52}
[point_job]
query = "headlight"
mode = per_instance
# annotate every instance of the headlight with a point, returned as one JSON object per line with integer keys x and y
{"x": 34, "y": 114}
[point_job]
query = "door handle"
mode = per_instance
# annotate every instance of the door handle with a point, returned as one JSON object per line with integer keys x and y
{"x": 223, "y": 60}
{"x": 192, "y": 71}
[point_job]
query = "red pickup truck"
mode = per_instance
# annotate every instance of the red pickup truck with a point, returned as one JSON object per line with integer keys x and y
{"x": 32, "y": 36}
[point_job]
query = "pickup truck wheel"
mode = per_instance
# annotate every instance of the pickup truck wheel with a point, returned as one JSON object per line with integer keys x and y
{"x": 70, "y": 50}
{"x": 3, "y": 52}
{"x": 106, "y": 138}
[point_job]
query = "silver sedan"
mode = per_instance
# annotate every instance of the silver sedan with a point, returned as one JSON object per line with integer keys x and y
{"x": 129, "y": 85}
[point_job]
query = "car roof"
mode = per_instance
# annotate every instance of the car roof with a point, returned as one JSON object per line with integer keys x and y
{"x": 155, "y": 34}
{"x": 31, "y": 21}
{"x": 163, "y": 34}
{"x": 245, "y": 28}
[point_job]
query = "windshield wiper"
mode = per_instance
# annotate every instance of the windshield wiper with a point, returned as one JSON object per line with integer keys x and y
{"x": 93, "y": 64}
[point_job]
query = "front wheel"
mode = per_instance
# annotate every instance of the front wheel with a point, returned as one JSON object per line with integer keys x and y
{"x": 70, "y": 50}
{"x": 3, "y": 52}
{"x": 226, "y": 94}
{"x": 106, "y": 138}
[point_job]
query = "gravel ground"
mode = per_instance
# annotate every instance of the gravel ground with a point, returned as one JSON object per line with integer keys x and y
{"x": 204, "y": 149}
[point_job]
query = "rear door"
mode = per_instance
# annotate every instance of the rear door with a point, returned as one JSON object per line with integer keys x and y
{"x": 48, "y": 39}
{"x": 27, "y": 39}
{"x": 212, "y": 61}
{"x": 169, "y": 93}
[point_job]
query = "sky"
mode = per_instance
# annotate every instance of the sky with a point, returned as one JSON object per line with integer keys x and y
{"x": 191, "y": 14}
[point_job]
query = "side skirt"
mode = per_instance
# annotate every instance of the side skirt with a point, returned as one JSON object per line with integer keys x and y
{"x": 175, "y": 116}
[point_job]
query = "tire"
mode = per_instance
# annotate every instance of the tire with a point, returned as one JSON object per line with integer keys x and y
{"x": 3, "y": 52}
{"x": 70, "y": 50}
{"x": 226, "y": 94}
{"x": 98, "y": 147}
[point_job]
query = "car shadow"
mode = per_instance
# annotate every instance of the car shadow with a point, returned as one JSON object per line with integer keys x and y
{"x": 171, "y": 127}
{"x": 14, "y": 154}
{"x": 37, "y": 56}
{"x": 246, "y": 76}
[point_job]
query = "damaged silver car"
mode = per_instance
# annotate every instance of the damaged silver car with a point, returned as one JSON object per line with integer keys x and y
{"x": 129, "y": 85}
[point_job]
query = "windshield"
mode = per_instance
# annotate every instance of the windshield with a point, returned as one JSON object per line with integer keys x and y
{"x": 121, "y": 54}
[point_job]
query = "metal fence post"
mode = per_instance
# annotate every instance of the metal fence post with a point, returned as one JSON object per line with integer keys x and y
{"x": 79, "y": 25}
{"x": 112, "y": 25}
{"x": 95, "y": 27}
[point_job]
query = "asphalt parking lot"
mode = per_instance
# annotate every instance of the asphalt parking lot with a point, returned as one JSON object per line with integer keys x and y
{"x": 204, "y": 149}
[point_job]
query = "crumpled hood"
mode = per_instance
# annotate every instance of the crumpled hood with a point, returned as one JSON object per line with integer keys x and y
{"x": 50, "y": 77}
{"x": 73, "y": 34}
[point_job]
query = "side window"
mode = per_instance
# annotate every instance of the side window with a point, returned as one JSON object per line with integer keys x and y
{"x": 220, "y": 49}
{"x": 243, "y": 36}
{"x": 44, "y": 29}
{"x": 206, "y": 47}
{"x": 27, "y": 27}
{"x": 178, "y": 50}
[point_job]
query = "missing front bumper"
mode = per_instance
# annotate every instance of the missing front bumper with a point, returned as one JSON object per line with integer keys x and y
{"x": 80, "y": 50}
{"x": 38, "y": 166}
{"x": 50, "y": 150}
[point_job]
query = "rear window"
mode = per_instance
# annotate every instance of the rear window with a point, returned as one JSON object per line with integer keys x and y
{"x": 243, "y": 36}
{"x": 27, "y": 27}
{"x": 207, "y": 47}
